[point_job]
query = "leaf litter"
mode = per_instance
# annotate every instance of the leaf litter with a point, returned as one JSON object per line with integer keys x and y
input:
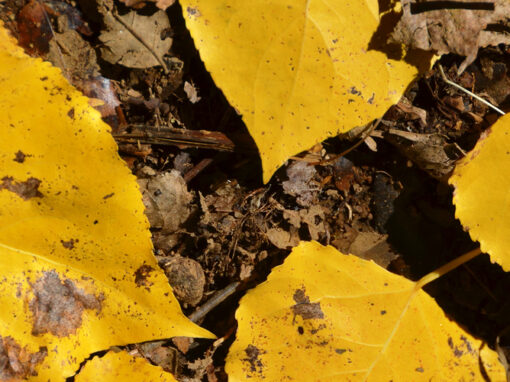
{"x": 226, "y": 226}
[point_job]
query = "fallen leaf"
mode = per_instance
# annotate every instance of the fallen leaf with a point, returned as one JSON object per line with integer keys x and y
{"x": 167, "y": 205}
{"x": 161, "y": 4}
{"x": 481, "y": 195}
{"x": 121, "y": 46}
{"x": 77, "y": 270}
{"x": 300, "y": 183}
{"x": 373, "y": 246}
{"x": 345, "y": 318}
{"x": 191, "y": 92}
{"x": 455, "y": 27}
{"x": 73, "y": 55}
{"x": 282, "y": 239}
{"x": 298, "y": 72}
{"x": 167, "y": 200}
{"x": 115, "y": 367}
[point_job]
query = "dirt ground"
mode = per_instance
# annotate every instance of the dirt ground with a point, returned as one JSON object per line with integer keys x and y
{"x": 218, "y": 229}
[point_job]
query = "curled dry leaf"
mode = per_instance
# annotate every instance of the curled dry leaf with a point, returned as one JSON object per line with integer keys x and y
{"x": 459, "y": 29}
{"x": 354, "y": 319}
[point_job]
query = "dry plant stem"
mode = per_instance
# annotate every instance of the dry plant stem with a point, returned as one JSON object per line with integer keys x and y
{"x": 144, "y": 43}
{"x": 364, "y": 134}
{"x": 213, "y": 302}
{"x": 443, "y": 76}
{"x": 447, "y": 268}
{"x": 171, "y": 136}
{"x": 197, "y": 169}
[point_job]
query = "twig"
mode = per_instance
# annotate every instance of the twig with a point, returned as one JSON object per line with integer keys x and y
{"x": 172, "y": 136}
{"x": 213, "y": 302}
{"x": 142, "y": 41}
{"x": 443, "y": 76}
{"x": 364, "y": 134}
{"x": 197, "y": 169}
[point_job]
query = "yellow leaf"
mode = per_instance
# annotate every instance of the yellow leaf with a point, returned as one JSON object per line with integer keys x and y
{"x": 120, "y": 367}
{"x": 298, "y": 71}
{"x": 77, "y": 273}
{"x": 482, "y": 192}
{"x": 325, "y": 316}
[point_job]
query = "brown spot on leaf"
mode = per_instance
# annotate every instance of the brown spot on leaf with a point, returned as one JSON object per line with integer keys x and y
{"x": 108, "y": 196}
{"x": 25, "y": 190}
{"x": 58, "y": 305}
{"x": 18, "y": 363}
{"x": 193, "y": 12}
{"x": 456, "y": 351}
{"x": 142, "y": 274}
{"x": 253, "y": 353}
{"x": 70, "y": 113}
{"x": 19, "y": 157}
{"x": 304, "y": 308}
{"x": 69, "y": 244}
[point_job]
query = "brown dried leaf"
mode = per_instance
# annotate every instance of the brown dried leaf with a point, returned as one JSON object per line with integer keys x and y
{"x": 459, "y": 31}
{"x": 121, "y": 46}
{"x": 161, "y": 4}
{"x": 282, "y": 239}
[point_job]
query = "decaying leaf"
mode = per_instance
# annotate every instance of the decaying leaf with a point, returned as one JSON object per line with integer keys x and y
{"x": 117, "y": 367}
{"x": 77, "y": 270}
{"x": 167, "y": 205}
{"x": 300, "y": 183}
{"x": 373, "y": 246}
{"x": 482, "y": 191}
{"x": 123, "y": 47}
{"x": 345, "y": 318}
{"x": 297, "y": 71}
{"x": 161, "y": 4}
{"x": 454, "y": 27}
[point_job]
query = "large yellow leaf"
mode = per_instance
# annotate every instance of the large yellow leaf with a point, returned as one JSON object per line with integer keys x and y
{"x": 121, "y": 367}
{"x": 325, "y": 316}
{"x": 298, "y": 71}
{"x": 482, "y": 192}
{"x": 77, "y": 273}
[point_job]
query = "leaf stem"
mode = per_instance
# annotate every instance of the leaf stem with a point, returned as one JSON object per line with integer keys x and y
{"x": 443, "y": 76}
{"x": 447, "y": 268}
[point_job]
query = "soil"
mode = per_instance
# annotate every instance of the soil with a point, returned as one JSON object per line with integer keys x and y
{"x": 215, "y": 224}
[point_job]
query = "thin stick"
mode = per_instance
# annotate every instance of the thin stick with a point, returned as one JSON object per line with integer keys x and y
{"x": 447, "y": 268}
{"x": 197, "y": 169}
{"x": 213, "y": 302}
{"x": 142, "y": 41}
{"x": 443, "y": 76}
{"x": 364, "y": 134}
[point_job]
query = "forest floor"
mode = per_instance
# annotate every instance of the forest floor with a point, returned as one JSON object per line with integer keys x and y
{"x": 215, "y": 224}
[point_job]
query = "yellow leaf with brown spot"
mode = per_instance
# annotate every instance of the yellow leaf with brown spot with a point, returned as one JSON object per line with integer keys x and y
{"x": 482, "y": 192}
{"x": 120, "y": 367}
{"x": 298, "y": 71}
{"x": 77, "y": 270}
{"x": 325, "y": 316}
